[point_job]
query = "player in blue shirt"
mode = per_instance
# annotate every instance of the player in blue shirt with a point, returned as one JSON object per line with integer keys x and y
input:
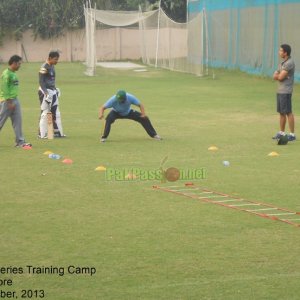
{"x": 120, "y": 105}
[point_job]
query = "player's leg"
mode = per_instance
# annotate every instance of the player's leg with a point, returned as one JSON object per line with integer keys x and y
{"x": 41, "y": 97}
{"x": 282, "y": 122}
{"x": 144, "y": 121}
{"x": 291, "y": 121}
{"x": 282, "y": 110}
{"x": 16, "y": 120}
{"x": 109, "y": 120}
{"x": 53, "y": 111}
{"x": 58, "y": 128}
{"x": 4, "y": 113}
{"x": 290, "y": 118}
{"x": 45, "y": 108}
{"x": 57, "y": 123}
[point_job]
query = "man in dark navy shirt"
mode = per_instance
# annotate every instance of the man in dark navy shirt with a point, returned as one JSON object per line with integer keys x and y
{"x": 48, "y": 95}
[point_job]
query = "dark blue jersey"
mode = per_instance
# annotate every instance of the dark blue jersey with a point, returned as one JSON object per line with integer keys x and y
{"x": 47, "y": 77}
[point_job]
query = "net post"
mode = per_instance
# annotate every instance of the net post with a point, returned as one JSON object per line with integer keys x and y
{"x": 157, "y": 36}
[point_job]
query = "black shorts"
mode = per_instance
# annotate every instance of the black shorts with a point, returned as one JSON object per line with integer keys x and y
{"x": 284, "y": 103}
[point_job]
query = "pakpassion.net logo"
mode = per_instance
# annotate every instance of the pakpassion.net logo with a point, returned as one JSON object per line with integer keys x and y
{"x": 161, "y": 174}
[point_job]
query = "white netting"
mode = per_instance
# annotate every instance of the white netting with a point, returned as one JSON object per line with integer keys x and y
{"x": 171, "y": 45}
{"x": 120, "y": 18}
{"x": 162, "y": 42}
{"x": 90, "y": 42}
{"x": 247, "y": 34}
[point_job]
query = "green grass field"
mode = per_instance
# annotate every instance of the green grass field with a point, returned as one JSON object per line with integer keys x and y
{"x": 145, "y": 243}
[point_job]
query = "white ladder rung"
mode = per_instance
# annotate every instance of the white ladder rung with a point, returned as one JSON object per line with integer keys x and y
{"x": 260, "y": 209}
{"x": 218, "y": 196}
{"x": 195, "y": 193}
{"x": 283, "y": 214}
{"x": 198, "y": 194}
{"x": 206, "y": 193}
{"x": 230, "y": 200}
{"x": 194, "y": 189}
{"x": 246, "y": 204}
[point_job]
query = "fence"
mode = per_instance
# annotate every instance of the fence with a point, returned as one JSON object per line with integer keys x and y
{"x": 246, "y": 34}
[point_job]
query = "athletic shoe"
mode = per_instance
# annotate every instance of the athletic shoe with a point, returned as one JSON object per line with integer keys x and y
{"x": 277, "y": 136}
{"x": 291, "y": 138}
{"x": 157, "y": 137}
{"x": 39, "y": 137}
{"x": 103, "y": 140}
{"x": 23, "y": 145}
{"x": 58, "y": 135}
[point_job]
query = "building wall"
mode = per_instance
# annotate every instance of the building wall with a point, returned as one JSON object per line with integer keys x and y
{"x": 111, "y": 44}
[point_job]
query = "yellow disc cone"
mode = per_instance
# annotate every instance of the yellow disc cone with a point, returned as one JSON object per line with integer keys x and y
{"x": 48, "y": 152}
{"x": 273, "y": 154}
{"x": 100, "y": 168}
{"x": 213, "y": 148}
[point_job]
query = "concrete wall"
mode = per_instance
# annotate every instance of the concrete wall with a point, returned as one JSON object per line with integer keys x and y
{"x": 118, "y": 44}
{"x": 111, "y": 44}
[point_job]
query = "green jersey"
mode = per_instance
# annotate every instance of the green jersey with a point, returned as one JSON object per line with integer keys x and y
{"x": 9, "y": 85}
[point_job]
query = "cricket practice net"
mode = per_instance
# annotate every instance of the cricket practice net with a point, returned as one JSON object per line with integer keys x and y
{"x": 163, "y": 42}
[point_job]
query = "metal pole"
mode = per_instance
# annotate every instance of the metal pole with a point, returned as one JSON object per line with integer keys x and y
{"x": 158, "y": 29}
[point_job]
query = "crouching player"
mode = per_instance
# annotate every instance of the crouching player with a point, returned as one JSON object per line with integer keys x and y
{"x": 120, "y": 105}
{"x": 49, "y": 96}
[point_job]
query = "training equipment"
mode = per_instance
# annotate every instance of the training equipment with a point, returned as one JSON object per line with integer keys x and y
{"x": 226, "y": 163}
{"x": 283, "y": 140}
{"x": 58, "y": 92}
{"x": 43, "y": 126}
{"x": 48, "y": 152}
{"x": 260, "y": 209}
{"x": 164, "y": 42}
{"x": 58, "y": 129}
{"x": 54, "y": 156}
{"x": 217, "y": 33}
{"x": 67, "y": 161}
{"x": 273, "y": 154}
{"x": 27, "y": 147}
{"x": 50, "y": 129}
{"x": 213, "y": 148}
{"x": 100, "y": 168}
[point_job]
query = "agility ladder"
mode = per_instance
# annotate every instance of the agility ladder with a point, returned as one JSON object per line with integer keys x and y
{"x": 257, "y": 208}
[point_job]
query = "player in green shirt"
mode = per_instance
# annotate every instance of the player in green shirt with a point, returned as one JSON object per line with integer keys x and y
{"x": 9, "y": 103}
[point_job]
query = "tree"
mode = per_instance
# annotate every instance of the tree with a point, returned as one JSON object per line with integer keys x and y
{"x": 175, "y": 9}
{"x": 49, "y": 18}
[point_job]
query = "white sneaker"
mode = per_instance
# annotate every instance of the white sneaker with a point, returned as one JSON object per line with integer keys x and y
{"x": 157, "y": 137}
{"x": 103, "y": 140}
